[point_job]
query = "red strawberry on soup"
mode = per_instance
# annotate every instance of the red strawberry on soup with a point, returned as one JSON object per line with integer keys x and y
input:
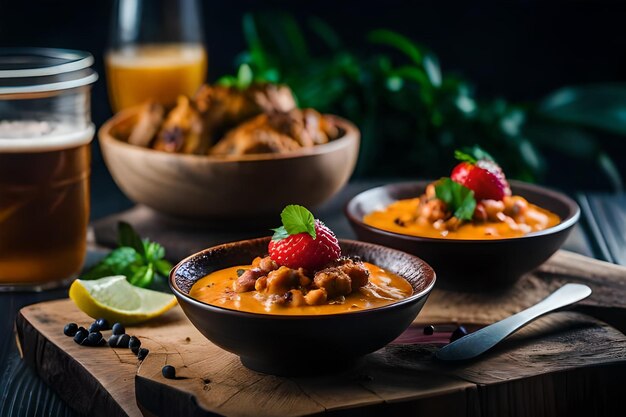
{"x": 483, "y": 176}
{"x": 302, "y": 241}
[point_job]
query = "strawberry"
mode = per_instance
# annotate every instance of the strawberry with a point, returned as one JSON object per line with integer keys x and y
{"x": 302, "y": 241}
{"x": 483, "y": 176}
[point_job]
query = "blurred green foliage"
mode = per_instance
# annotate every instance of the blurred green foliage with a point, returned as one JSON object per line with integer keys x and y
{"x": 412, "y": 115}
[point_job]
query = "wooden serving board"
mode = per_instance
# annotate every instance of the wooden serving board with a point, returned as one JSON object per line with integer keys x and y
{"x": 566, "y": 363}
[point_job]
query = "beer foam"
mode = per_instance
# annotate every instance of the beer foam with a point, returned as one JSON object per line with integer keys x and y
{"x": 41, "y": 136}
{"x": 149, "y": 56}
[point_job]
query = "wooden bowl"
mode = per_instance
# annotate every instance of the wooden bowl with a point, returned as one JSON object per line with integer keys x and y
{"x": 295, "y": 345}
{"x": 470, "y": 265}
{"x": 215, "y": 188}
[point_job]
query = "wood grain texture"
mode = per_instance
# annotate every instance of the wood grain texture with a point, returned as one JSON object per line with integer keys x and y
{"x": 527, "y": 373}
{"x": 217, "y": 188}
{"x": 563, "y": 363}
{"x": 562, "y": 351}
{"x": 607, "y": 302}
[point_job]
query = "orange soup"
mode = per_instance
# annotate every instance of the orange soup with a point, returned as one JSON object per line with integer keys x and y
{"x": 154, "y": 72}
{"x": 506, "y": 221}
{"x": 383, "y": 288}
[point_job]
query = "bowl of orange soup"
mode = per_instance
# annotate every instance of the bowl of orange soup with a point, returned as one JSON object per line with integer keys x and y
{"x": 280, "y": 331}
{"x": 511, "y": 238}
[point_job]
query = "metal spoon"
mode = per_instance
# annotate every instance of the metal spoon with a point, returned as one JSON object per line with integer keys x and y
{"x": 484, "y": 339}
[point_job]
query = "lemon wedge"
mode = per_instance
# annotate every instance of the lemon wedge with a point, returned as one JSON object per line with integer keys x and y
{"x": 115, "y": 299}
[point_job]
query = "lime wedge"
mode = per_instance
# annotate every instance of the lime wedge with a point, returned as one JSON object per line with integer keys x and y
{"x": 115, "y": 299}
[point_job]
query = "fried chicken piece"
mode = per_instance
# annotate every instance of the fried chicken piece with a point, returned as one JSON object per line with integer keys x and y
{"x": 276, "y": 133}
{"x": 223, "y": 108}
{"x": 183, "y": 130}
{"x": 342, "y": 277}
{"x": 253, "y": 137}
{"x": 284, "y": 279}
{"x": 148, "y": 124}
{"x": 247, "y": 281}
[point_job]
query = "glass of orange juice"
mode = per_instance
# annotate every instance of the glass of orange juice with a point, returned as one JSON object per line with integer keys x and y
{"x": 156, "y": 52}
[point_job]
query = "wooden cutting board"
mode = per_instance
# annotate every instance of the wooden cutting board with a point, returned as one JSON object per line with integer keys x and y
{"x": 567, "y": 363}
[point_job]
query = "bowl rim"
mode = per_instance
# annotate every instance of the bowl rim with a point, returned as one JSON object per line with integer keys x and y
{"x": 351, "y": 134}
{"x": 566, "y": 223}
{"x": 246, "y": 314}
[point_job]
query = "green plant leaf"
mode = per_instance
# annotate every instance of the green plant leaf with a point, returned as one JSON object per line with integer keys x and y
{"x": 431, "y": 66}
{"x": 398, "y": 41}
{"x": 257, "y": 52}
{"x": 459, "y": 199}
{"x": 244, "y": 76}
{"x": 609, "y": 167}
{"x": 326, "y": 33}
{"x": 601, "y": 106}
{"x": 126, "y": 236}
{"x": 415, "y": 74}
{"x": 227, "y": 81}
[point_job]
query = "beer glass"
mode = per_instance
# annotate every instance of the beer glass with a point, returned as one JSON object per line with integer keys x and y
{"x": 45, "y": 135}
{"x": 156, "y": 52}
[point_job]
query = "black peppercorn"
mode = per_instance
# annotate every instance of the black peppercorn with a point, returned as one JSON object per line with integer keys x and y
{"x": 118, "y": 329}
{"x": 134, "y": 342}
{"x": 113, "y": 340}
{"x": 70, "y": 329}
{"x": 80, "y": 335}
{"x": 143, "y": 352}
{"x": 169, "y": 372}
{"x": 122, "y": 341}
{"x": 94, "y": 338}
{"x": 458, "y": 333}
{"x": 103, "y": 324}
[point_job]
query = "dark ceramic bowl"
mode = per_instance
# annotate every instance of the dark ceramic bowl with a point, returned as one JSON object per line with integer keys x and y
{"x": 292, "y": 345}
{"x": 470, "y": 264}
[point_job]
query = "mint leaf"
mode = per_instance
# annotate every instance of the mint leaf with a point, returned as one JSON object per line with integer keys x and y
{"x": 296, "y": 219}
{"x": 472, "y": 154}
{"x": 280, "y": 233}
{"x": 459, "y": 199}
{"x": 142, "y": 276}
{"x": 126, "y": 236}
{"x": 153, "y": 251}
{"x": 462, "y": 156}
{"x": 163, "y": 267}
{"x": 118, "y": 262}
{"x": 140, "y": 261}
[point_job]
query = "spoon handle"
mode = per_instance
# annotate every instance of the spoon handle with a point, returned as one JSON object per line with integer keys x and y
{"x": 484, "y": 339}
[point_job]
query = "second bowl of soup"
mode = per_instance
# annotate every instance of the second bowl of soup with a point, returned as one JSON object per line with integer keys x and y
{"x": 474, "y": 256}
{"x": 285, "y": 321}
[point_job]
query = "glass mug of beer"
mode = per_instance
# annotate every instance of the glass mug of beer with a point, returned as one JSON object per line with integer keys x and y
{"x": 156, "y": 52}
{"x": 45, "y": 135}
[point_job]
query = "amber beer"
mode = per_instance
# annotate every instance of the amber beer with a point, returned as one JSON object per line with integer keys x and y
{"x": 44, "y": 203}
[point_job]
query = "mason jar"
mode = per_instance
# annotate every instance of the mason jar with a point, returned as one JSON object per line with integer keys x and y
{"x": 45, "y": 135}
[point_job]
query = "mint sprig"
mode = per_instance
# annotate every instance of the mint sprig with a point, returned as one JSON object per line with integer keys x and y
{"x": 472, "y": 154}
{"x": 140, "y": 260}
{"x": 296, "y": 219}
{"x": 459, "y": 199}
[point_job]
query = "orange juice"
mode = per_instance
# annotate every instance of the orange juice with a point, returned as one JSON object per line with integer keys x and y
{"x": 160, "y": 72}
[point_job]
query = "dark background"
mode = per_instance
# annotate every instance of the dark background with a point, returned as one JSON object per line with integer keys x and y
{"x": 520, "y": 50}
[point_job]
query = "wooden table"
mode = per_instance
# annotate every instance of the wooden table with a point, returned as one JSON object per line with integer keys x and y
{"x": 23, "y": 393}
